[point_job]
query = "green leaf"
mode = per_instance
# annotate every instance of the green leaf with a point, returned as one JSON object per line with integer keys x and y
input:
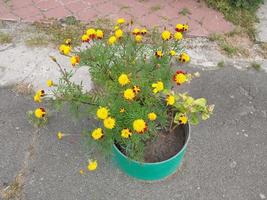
{"x": 194, "y": 119}
{"x": 200, "y": 102}
{"x": 176, "y": 118}
{"x": 189, "y": 101}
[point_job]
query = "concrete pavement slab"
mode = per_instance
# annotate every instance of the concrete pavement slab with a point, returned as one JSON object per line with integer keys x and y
{"x": 226, "y": 157}
{"x": 15, "y": 134}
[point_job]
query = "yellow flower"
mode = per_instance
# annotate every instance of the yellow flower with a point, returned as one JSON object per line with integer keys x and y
{"x": 109, "y": 123}
{"x": 49, "y": 83}
{"x": 38, "y": 95}
{"x": 170, "y": 100}
{"x": 112, "y": 40}
{"x": 102, "y": 112}
{"x": 92, "y": 165}
{"x": 136, "y": 89}
{"x": 181, "y": 27}
{"x": 159, "y": 86}
{"x": 122, "y": 110}
{"x": 180, "y": 77}
{"x": 184, "y": 57}
{"x": 143, "y": 31}
{"x": 81, "y": 171}
{"x": 123, "y": 79}
{"x": 186, "y": 27}
{"x": 178, "y": 36}
{"x": 68, "y": 41}
{"x": 116, "y": 28}
{"x": 183, "y": 119}
{"x": 118, "y": 33}
{"x": 97, "y": 134}
{"x": 159, "y": 54}
{"x": 91, "y": 33}
{"x": 41, "y": 93}
{"x": 65, "y": 49}
{"x": 166, "y": 35}
{"x": 136, "y": 31}
{"x": 139, "y": 126}
{"x": 120, "y": 21}
{"x": 172, "y": 52}
{"x": 37, "y": 98}
{"x": 39, "y": 113}
{"x": 60, "y": 135}
{"x": 85, "y": 38}
{"x": 126, "y": 133}
{"x": 152, "y": 116}
{"x": 129, "y": 94}
{"x": 99, "y": 34}
{"x": 74, "y": 60}
{"x": 138, "y": 38}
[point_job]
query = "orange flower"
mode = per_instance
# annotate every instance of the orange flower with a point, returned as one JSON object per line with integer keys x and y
{"x": 85, "y": 38}
{"x": 136, "y": 89}
{"x": 180, "y": 77}
{"x": 75, "y": 60}
{"x": 159, "y": 54}
{"x": 136, "y": 31}
{"x": 140, "y": 126}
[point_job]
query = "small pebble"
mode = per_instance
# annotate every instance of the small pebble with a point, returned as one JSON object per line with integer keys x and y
{"x": 262, "y": 196}
{"x": 237, "y": 133}
{"x": 246, "y": 135}
{"x": 233, "y": 164}
{"x": 243, "y": 130}
{"x": 198, "y": 188}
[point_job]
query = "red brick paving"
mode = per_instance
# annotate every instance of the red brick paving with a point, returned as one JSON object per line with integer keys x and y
{"x": 164, "y": 13}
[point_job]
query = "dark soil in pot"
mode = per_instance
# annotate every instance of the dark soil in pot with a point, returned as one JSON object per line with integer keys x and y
{"x": 164, "y": 145}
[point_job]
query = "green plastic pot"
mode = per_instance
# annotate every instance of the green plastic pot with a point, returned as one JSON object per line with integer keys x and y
{"x": 151, "y": 171}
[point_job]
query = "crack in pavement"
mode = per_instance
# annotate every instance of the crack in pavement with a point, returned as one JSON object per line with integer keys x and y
{"x": 14, "y": 190}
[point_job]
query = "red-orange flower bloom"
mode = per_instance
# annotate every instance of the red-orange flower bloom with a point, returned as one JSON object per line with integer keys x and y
{"x": 179, "y": 77}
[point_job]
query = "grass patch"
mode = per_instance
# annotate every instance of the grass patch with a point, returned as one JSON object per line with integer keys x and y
{"x": 256, "y": 66}
{"x": 244, "y": 17}
{"x": 57, "y": 32}
{"x": 125, "y": 7}
{"x": 155, "y": 8}
{"x": 263, "y": 49}
{"x": 8, "y": 3}
{"x": 229, "y": 49}
{"x": 13, "y": 190}
{"x": 184, "y": 12}
{"x": 37, "y": 41}
{"x": 227, "y": 46}
{"x": 5, "y": 38}
{"x": 221, "y": 64}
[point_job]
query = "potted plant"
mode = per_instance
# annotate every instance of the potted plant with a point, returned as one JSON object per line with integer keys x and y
{"x": 143, "y": 119}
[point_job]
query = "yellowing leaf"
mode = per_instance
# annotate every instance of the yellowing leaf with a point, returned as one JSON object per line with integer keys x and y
{"x": 205, "y": 116}
{"x": 201, "y": 102}
{"x": 189, "y": 101}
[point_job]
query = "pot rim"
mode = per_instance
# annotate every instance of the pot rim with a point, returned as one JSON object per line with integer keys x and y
{"x": 161, "y": 162}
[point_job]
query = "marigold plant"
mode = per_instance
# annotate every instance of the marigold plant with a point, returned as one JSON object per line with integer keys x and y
{"x": 136, "y": 89}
